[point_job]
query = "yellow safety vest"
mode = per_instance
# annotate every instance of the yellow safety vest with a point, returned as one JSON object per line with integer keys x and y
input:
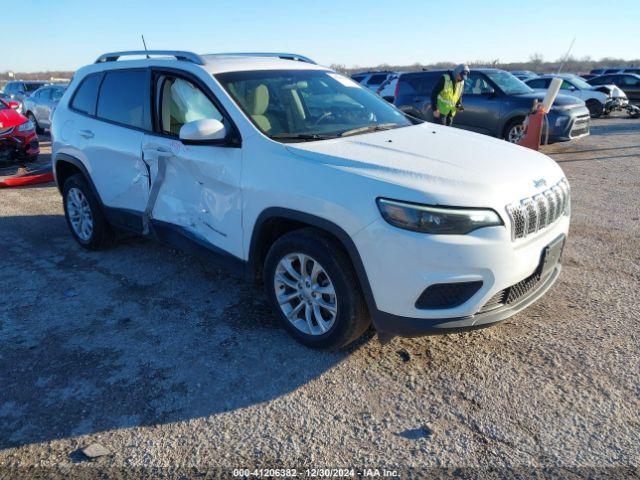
{"x": 449, "y": 97}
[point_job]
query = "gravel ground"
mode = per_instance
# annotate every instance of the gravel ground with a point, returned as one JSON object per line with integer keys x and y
{"x": 169, "y": 362}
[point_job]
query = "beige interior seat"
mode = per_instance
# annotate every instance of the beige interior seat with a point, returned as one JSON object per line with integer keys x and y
{"x": 258, "y": 105}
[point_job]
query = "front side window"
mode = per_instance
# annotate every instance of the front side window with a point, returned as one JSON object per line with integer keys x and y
{"x": 566, "y": 86}
{"x": 539, "y": 83}
{"x": 123, "y": 97}
{"x": 307, "y": 105}
{"x": 628, "y": 81}
{"x": 476, "y": 84}
{"x": 182, "y": 102}
{"x": 86, "y": 96}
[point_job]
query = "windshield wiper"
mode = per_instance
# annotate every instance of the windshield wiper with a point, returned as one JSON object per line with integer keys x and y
{"x": 302, "y": 137}
{"x": 369, "y": 128}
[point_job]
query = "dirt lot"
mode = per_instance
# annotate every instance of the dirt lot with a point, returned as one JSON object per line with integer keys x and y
{"x": 170, "y": 362}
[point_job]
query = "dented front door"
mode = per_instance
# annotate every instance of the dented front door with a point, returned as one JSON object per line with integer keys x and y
{"x": 196, "y": 189}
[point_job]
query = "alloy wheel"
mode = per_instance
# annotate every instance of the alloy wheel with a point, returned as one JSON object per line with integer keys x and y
{"x": 305, "y": 294}
{"x": 515, "y": 133}
{"x": 79, "y": 213}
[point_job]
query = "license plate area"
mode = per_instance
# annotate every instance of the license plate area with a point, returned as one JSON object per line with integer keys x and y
{"x": 551, "y": 255}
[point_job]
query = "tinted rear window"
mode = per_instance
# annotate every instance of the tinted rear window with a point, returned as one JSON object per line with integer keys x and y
{"x": 85, "y": 97}
{"x": 420, "y": 84}
{"x": 377, "y": 79}
{"x": 539, "y": 83}
{"x": 32, "y": 87}
{"x": 123, "y": 97}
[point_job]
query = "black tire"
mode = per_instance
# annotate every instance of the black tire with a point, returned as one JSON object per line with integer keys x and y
{"x": 595, "y": 108}
{"x": 511, "y": 124}
{"x": 352, "y": 318}
{"x": 32, "y": 117}
{"x": 101, "y": 234}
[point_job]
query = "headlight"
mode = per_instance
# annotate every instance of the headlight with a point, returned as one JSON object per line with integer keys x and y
{"x": 26, "y": 126}
{"x": 561, "y": 120}
{"x": 436, "y": 220}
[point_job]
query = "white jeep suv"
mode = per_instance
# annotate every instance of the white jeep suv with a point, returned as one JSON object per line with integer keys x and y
{"x": 349, "y": 211}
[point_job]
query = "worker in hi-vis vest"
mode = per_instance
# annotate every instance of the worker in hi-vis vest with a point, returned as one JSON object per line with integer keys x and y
{"x": 446, "y": 96}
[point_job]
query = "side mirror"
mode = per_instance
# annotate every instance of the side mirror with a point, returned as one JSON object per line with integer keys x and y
{"x": 203, "y": 130}
{"x": 488, "y": 92}
{"x": 15, "y": 105}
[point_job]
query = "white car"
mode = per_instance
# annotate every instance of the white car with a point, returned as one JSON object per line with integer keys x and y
{"x": 349, "y": 211}
{"x": 374, "y": 80}
{"x": 597, "y": 102}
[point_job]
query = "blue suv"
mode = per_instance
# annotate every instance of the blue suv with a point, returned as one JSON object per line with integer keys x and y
{"x": 495, "y": 103}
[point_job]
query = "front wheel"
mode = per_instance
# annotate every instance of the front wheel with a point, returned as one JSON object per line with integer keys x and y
{"x": 514, "y": 131}
{"x": 314, "y": 290}
{"x": 595, "y": 108}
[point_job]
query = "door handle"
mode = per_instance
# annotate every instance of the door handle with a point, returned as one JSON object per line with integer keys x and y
{"x": 417, "y": 99}
{"x": 86, "y": 133}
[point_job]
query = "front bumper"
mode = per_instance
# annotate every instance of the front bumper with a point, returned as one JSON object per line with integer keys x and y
{"x": 568, "y": 125}
{"x": 19, "y": 145}
{"x": 413, "y": 327}
{"x": 400, "y": 265}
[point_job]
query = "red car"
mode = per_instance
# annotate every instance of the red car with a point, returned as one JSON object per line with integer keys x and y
{"x": 18, "y": 139}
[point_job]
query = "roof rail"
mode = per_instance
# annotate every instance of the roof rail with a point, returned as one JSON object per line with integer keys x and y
{"x": 179, "y": 55}
{"x": 283, "y": 55}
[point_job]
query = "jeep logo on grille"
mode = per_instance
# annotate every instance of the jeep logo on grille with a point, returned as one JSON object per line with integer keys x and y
{"x": 541, "y": 182}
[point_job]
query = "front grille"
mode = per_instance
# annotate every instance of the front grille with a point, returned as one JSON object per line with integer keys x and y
{"x": 533, "y": 214}
{"x": 580, "y": 126}
{"x": 511, "y": 294}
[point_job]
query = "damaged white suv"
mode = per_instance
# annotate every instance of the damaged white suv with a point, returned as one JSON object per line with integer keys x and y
{"x": 349, "y": 211}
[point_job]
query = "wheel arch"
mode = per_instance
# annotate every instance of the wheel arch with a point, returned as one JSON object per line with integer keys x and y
{"x": 65, "y": 166}
{"x": 274, "y": 222}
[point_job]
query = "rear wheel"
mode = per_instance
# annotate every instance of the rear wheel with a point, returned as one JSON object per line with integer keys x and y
{"x": 314, "y": 290}
{"x": 83, "y": 214}
{"x": 595, "y": 108}
{"x": 33, "y": 120}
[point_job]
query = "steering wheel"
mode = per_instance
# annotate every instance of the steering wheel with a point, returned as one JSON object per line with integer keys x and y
{"x": 323, "y": 117}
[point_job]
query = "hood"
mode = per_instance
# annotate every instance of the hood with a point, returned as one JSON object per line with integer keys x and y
{"x": 439, "y": 165}
{"x": 614, "y": 90}
{"x": 10, "y": 118}
{"x": 560, "y": 101}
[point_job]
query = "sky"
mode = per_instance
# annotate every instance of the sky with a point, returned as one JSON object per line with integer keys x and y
{"x": 66, "y": 34}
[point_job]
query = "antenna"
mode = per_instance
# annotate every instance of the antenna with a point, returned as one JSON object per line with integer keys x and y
{"x": 566, "y": 56}
{"x": 144, "y": 44}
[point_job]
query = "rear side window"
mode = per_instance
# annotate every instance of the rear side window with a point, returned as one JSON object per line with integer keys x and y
{"x": 539, "y": 83}
{"x": 377, "y": 79}
{"x": 418, "y": 84}
{"x": 123, "y": 98}
{"x": 86, "y": 95}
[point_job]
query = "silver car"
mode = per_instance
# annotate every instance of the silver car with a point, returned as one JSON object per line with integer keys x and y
{"x": 39, "y": 106}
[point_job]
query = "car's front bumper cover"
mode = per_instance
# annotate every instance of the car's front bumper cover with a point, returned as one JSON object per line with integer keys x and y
{"x": 410, "y": 327}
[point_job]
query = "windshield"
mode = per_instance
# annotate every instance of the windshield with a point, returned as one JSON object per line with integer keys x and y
{"x": 509, "y": 84}
{"x": 2, "y": 104}
{"x": 57, "y": 92}
{"x": 31, "y": 87}
{"x": 579, "y": 82}
{"x": 308, "y": 105}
